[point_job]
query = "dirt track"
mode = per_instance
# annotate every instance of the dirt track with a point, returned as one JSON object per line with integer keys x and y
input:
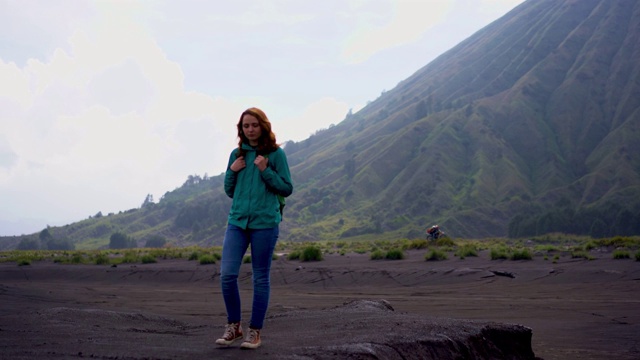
{"x": 577, "y": 309}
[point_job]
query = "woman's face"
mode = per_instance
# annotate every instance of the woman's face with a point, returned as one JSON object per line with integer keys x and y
{"x": 251, "y": 129}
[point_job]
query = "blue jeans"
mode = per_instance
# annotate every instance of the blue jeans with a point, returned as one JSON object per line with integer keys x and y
{"x": 236, "y": 242}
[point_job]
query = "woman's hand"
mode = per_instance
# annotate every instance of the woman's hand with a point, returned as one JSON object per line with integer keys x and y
{"x": 261, "y": 162}
{"x": 238, "y": 164}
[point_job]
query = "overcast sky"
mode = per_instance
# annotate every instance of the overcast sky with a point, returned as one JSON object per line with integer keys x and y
{"x": 104, "y": 102}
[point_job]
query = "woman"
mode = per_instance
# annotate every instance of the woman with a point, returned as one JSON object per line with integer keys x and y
{"x": 256, "y": 174}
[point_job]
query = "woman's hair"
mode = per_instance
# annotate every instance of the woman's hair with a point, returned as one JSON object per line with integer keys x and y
{"x": 267, "y": 141}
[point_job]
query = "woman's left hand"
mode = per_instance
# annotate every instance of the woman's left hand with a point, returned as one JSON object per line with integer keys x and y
{"x": 261, "y": 162}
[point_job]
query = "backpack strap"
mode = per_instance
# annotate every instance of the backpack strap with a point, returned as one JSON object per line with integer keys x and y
{"x": 280, "y": 197}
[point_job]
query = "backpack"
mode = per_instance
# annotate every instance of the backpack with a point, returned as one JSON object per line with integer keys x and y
{"x": 280, "y": 197}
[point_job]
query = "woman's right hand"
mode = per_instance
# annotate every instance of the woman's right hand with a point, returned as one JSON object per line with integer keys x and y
{"x": 238, "y": 164}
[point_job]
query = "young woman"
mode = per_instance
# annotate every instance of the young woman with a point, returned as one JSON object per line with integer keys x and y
{"x": 256, "y": 174}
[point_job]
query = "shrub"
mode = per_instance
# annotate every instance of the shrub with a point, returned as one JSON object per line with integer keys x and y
{"x": 194, "y": 256}
{"x": 148, "y": 259}
{"x": 294, "y": 255}
{"x": 619, "y": 241}
{"x": 77, "y": 259}
{"x": 207, "y": 259}
{"x": 546, "y": 247}
{"x": 466, "y": 250}
{"x": 621, "y": 254}
{"x": 498, "y": 253}
{"x": 395, "y": 254}
{"x": 246, "y": 259}
{"x": 638, "y": 256}
{"x": 436, "y": 255}
{"x": 581, "y": 254}
{"x": 377, "y": 255}
{"x": 418, "y": 244}
{"x": 130, "y": 257}
{"x": 445, "y": 241}
{"x": 23, "y": 262}
{"x": 521, "y": 254}
{"x": 101, "y": 259}
{"x": 311, "y": 253}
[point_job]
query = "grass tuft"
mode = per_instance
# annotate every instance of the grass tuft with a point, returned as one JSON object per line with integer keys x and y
{"x": 395, "y": 254}
{"x": 377, "y": 255}
{"x": 311, "y": 253}
{"x": 521, "y": 254}
{"x": 466, "y": 250}
{"x": 101, "y": 259}
{"x": 581, "y": 254}
{"x": 436, "y": 255}
{"x": 621, "y": 254}
{"x": 24, "y": 262}
{"x": 499, "y": 253}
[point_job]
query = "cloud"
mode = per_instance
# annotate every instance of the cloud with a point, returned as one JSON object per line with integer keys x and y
{"x": 99, "y": 126}
{"x": 33, "y": 28}
{"x": 320, "y": 114}
{"x": 405, "y": 22}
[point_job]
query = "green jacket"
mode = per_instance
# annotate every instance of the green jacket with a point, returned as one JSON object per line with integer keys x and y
{"x": 254, "y": 193}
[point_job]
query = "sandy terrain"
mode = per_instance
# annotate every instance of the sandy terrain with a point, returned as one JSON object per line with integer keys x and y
{"x": 576, "y": 308}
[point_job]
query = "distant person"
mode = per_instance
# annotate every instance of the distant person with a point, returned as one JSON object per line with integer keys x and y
{"x": 256, "y": 174}
{"x": 433, "y": 232}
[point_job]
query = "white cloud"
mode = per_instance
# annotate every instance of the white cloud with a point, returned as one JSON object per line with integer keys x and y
{"x": 103, "y": 125}
{"x": 319, "y": 115}
{"x": 404, "y": 22}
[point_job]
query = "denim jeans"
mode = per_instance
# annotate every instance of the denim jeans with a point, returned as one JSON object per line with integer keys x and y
{"x": 236, "y": 242}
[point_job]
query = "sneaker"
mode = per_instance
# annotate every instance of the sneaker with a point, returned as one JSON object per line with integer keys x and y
{"x": 252, "y": 341}
{"x": 232, "y": 332}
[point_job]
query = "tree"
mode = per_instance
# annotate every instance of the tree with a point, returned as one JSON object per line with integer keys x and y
{"x": 59, "y": 244}
{"x": 148, "y": 201}
{"x": 28, "y": 244}
{"x": 45, "y": 235}
{"x": 119, "y": 240}
{"x": 155, "y": 241}
{"x": 350, "y": 167}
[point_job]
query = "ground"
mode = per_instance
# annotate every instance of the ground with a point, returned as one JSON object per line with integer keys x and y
{"x": 575, "y": 308}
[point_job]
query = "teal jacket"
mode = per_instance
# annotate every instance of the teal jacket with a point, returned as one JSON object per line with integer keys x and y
{"x": 254, "y": 193}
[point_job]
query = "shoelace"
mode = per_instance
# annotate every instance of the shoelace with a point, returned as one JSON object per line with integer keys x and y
{"x": 230, "y": 331}
{"x": 253, "y": 335}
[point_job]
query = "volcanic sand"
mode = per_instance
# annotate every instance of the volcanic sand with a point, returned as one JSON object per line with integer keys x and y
{"x": 576, "y": 308}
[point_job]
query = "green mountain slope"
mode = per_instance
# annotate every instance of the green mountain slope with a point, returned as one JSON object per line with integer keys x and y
{"x": 529, "y": 126}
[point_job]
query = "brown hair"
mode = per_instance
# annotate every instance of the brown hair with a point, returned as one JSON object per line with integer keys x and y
{"x": 267, "y": 141}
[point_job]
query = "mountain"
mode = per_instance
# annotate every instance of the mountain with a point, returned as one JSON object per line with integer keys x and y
{"x": 530, "y": 126}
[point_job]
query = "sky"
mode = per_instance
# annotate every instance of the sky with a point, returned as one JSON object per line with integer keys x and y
{"x": 105, "y": 102}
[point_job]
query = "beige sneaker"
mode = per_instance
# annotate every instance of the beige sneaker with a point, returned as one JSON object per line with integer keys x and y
{"x": 232, "y": 332}
{"x": 252, "y": 341}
